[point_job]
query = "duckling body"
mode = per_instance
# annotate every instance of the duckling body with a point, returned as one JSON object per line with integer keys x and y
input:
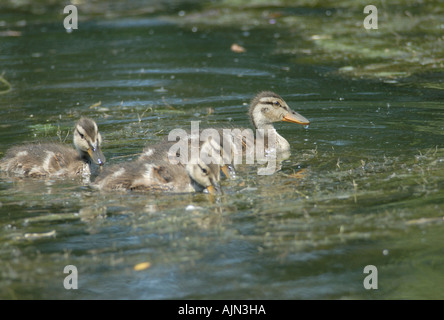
{"x": 265, "y": 109}
{"x": 42, "y": 160}
{"x": 182, "y": 151}
{"x": 159, "y": 152}
{"x": 160, "y": 168}
{"x": 159, "y": 175}
{"x": 56, "y": 159}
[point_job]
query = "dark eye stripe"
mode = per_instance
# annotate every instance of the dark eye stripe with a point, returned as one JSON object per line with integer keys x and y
{"x": 89, "y": 142}
{"x": 203, "y": 170}
{"x": 273, "y": 103}
{"x": 81, "y": 134}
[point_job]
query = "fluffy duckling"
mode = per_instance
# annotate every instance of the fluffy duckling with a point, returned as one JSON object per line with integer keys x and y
{"x": 160, "y": 175}
{"x": 173, "y": 152}
{"x": 56, "y": 159}
{"x": 161, "y": 168}
{"x": 265, "y": 109}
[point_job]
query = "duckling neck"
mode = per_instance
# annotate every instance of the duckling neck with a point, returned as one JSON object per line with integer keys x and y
{"x": 268, "y": 133}
{"x": 84, "y": 157}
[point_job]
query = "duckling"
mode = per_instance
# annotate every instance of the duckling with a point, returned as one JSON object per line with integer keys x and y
{"x": 161, "y": 169}
{"x": 173, "y": 152}
{"x": 56, "y": 159}
{"x": 265, "y": 108}
{"x": 158, "y": 175}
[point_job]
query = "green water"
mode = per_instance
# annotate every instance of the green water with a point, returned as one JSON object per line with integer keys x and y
{"x": 363, "y": 186}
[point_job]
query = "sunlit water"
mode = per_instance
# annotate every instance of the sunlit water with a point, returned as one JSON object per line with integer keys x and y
{"x": 363, "y": 185}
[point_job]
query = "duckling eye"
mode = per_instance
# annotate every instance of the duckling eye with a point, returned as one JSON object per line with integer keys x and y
{"x": 204, "y": 170}
{"x": 80, "y": 134}
{"x": 276, "y": 103}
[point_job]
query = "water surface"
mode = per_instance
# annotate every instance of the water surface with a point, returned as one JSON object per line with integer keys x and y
{"x": 363, "y": 185}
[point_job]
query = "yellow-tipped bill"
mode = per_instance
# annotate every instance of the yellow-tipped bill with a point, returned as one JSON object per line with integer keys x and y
{"x": 213, "y": 189}
{"x": 295, "y": 117}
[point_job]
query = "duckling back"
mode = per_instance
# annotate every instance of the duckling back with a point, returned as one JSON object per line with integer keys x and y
{"x": 160, "y": 169}
{"x": 145, "y": 177}
{"x": 215, "y": 151}
{"x": 56, "y": 159}
{"x": 42, "y": 160}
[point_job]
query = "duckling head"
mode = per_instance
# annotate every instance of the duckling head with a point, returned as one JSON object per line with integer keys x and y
{"x": 87, "y": 140}
{"x": 268, "y": 107}
{"x": 214, "y": 152}
{"x": 207, "y": 176}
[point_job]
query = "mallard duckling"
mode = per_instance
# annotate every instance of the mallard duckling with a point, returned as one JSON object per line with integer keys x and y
{"x": 171, "y": 151}
{"x": 56, "y": 159}
{"x": 159, "y": 175}
{"x": 264, "y": 145}
{"x": 161, "y": 168}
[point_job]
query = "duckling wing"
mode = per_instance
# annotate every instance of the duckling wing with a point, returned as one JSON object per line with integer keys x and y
{"x": 39, "y": 160}
{"x": 158, "y": 152}
{"x": 134, "y": 176}
{"x": 162, "y": 176}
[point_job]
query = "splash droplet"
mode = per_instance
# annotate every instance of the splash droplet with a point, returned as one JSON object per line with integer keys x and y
{"x": 306, "y": 126}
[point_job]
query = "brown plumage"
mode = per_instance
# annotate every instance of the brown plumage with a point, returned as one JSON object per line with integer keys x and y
{"x": 155, "y": 171}
{"x": 169, "y": 151}
{"x": 159, "y": 175}
{"x": 57, "y": 159}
